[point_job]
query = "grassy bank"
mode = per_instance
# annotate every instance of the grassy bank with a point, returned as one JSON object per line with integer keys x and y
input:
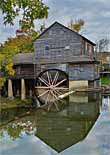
{"x": 6, "y": 103}
{"x": 105, "y": 80}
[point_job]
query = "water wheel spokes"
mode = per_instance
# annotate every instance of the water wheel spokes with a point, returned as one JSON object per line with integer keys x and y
{"x": 58, "y": 92}
{"x": 50, "y": 84}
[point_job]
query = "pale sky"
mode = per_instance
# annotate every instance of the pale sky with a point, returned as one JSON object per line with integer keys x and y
{"x": 96, "y": 14}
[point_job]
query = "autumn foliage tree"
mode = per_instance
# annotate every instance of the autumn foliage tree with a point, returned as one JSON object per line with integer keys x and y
{"x": 28, "y": 11}
{"x": 76, "y": 25}
{"x": 20, "y": 44}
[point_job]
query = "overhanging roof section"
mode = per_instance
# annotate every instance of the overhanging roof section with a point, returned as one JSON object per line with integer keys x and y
{"x": 72, "y": 60}
{"x": 28, "y": 58}
{"x": 23, "y": 58}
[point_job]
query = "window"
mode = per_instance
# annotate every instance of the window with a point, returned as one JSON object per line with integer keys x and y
{"x": 89, "y": 49}
{"x": 81, "y": 69}
{"x": 67, "y": 47}
{"x": 46, "y": 47}
{"x": 108, "y": 59}
{"x": 42, "y": 66}
{"x": 18, "y": 70}
{"x": 86, "y": 46}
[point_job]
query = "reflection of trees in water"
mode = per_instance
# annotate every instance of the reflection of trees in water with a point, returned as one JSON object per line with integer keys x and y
{"x": 14, "y": 131}
{"x": 17, "y": 130}
{"x": 7, "y": 115}
{"x": 1, "y": 134}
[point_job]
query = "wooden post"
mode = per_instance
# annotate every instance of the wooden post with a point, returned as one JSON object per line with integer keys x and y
{"x": 10, "y": 89}
{"x": 23, "y": 90}
{"x": 30, "y": 93}
{"x": 17, "y": 93}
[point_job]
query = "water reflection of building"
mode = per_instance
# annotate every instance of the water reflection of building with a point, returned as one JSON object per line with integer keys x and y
{"x": 66, "y": 127}
{"x": 62, "y": 129}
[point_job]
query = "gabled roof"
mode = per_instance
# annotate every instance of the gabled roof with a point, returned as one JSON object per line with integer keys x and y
{"x": 67, "y": 29}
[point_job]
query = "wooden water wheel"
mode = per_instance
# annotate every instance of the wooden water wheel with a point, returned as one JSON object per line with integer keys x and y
{"x": 50, "y": 84}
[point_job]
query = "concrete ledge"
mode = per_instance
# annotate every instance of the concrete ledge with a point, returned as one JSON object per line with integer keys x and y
{"x": 78, "y": 84}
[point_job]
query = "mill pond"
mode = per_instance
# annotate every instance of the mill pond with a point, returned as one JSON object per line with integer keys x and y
{"x": 79, "y": 124}
{"x": 80, "y": 127}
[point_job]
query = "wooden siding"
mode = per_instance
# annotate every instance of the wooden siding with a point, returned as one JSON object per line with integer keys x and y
{"x": 59, "y": 48}
{"x": 62, "y": 67}
{"x": 81, "y": 72}
{"x": 25, "y": 71}
{"x": 40, "y": 68}
{"x": 57, "y": 42}
{"x": 87, "y": 48}
{"x": 75, "y": 71}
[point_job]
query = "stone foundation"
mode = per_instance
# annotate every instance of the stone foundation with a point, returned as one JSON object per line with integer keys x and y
{"x": 78, "y": 84}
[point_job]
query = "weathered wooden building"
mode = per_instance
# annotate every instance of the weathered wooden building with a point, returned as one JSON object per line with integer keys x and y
{"x": 60, "y": 48}
{"x": 22, "y": 83}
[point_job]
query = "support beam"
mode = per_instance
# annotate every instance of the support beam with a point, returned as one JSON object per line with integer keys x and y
{"x": 30, "y": 93}
{"x": 23, "y": 90}
{"x": 18, "y": 92}
{"x": 10, "y": 89}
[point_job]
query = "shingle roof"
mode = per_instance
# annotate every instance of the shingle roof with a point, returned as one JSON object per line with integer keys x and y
{"x": 23, "y": 58}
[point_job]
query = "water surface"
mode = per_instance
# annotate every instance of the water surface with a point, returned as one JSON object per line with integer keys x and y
{"x": 42, "y": 132}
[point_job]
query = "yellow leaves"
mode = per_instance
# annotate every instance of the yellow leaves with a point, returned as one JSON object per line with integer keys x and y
{"x": 76, "y": 25}
{"x": 9, "y": 68}
{"x": 2, "y": 56}
{"x": 20, "y": 44}
{"x": 2, "y": 81}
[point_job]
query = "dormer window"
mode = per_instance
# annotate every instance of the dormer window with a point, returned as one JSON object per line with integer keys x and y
{"x": 46, "y": 47}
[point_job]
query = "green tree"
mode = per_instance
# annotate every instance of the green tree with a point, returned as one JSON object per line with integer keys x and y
{"x": 29, "y": 9}
{"x": 76, "y": 25}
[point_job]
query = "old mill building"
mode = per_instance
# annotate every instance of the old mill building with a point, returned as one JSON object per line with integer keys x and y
{"x": 60, "y": 48}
